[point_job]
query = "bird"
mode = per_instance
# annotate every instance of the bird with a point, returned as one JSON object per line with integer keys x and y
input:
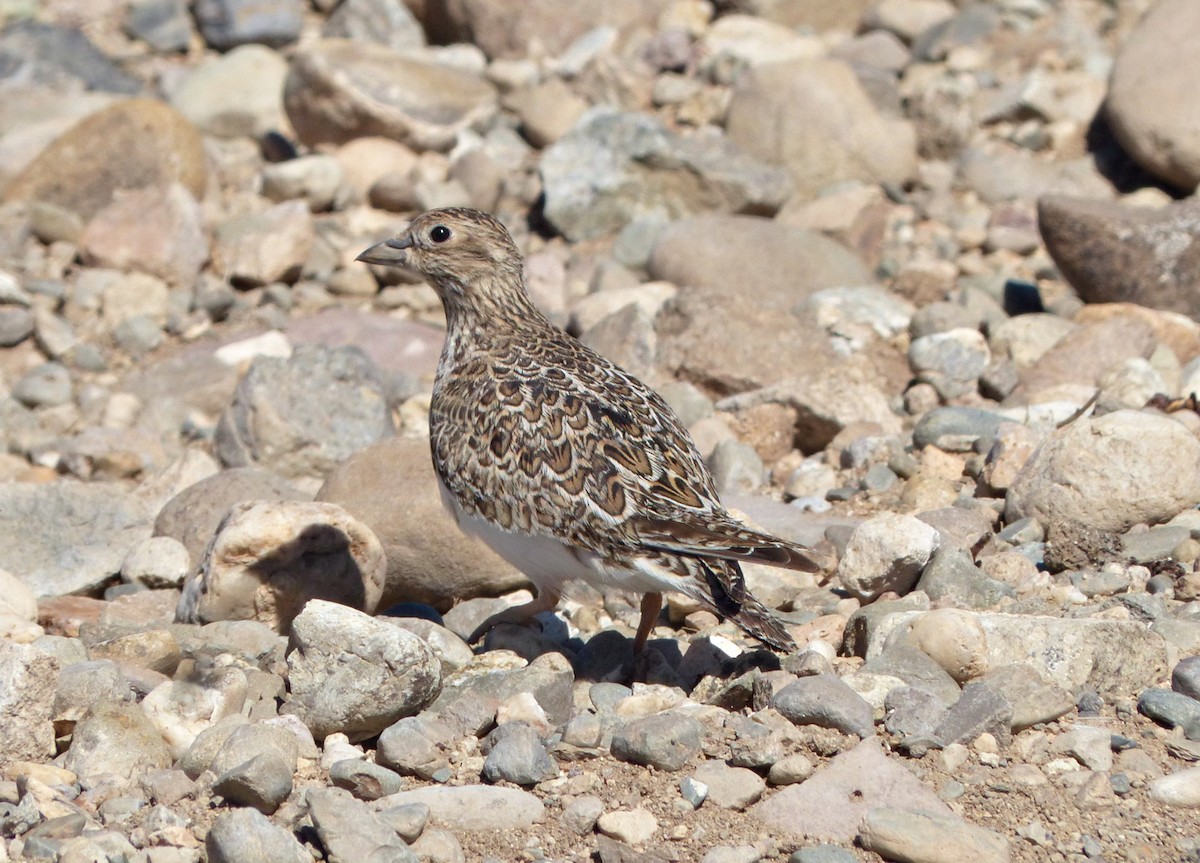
{"x": 563, "y": 463}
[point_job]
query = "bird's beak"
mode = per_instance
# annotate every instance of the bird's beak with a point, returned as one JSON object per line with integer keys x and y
{"x": 389, "y": 253}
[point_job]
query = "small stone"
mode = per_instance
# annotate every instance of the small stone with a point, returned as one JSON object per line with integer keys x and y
{"x": 886, "y": 552}
{"x": 1090, "y": 746}
{"x": 790, "y": 769}
{"x": 1173, "y": 709}
{"x": 350, "y": 830}
{"x": 515, "y": 754}
{"x": 953, "y": 639}
{"x": 226, "y": 24}
{"x": 246, "y": 836}
{"x": 666, "y": 741}
{"x": 979, "y": 709}
{"x": 581, "y": 814}
{"x": 157, "y": 562}
{"x": 729, "y": 787}
{"x": 364, "y": 780}
{"x": 635, "y": 827}
{"x": 1185, "y": 677}
{"x": 47, "y": 385}
{"x": 263, "y": 782}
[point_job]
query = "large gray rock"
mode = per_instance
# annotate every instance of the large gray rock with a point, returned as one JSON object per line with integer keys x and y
{"x": 352, "y": 674}
{"x": 350, "y": 830}
{"x": 68, "y": 537}
{"x": 391, "y": 487}
{"x": 339, "y": 89}
{"x": 268, "y": 558}
{"x": 813, "y": 117}
{"x": 614, "y": 167}
{"x": 27, "y": 690}
{"x": 1150, "y": 105}
{"x": 1109, "y": 473}
{"x": 302, "y": 416}
{"x": 246, "y": 836}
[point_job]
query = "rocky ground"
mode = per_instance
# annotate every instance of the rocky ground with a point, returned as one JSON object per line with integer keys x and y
{"x": 920, "y": 276}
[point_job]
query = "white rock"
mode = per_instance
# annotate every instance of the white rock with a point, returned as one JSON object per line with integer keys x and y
{"x": 270, "y": 344}
{"x": 635, "y": 827}
{"x": 885, "y": 553}
{"x": 1179, "y": 789}
{"x": 953, "y": 639}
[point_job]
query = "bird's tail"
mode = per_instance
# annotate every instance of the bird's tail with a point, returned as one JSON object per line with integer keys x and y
{"x": 747, "y": 612}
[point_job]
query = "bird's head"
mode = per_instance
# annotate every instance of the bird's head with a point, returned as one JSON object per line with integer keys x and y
{"x": 456, "y": 249}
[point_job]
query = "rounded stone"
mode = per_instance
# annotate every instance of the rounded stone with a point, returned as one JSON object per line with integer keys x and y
{"x": 953, "y": 639}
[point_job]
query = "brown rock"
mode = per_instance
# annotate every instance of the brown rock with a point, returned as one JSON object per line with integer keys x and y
{"x": 130, "y": 145}
{"x": 157, "y": 230}
{"x": 338, "y": 90}
{"x": 391, "y": 487}
{"x": 1081, "y": 358}
{"x": 741, "y": 281}
{"x": 1114, "y": 253}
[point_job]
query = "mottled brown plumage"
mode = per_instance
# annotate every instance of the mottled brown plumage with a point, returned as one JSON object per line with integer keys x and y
{"x": 565, "y": 464}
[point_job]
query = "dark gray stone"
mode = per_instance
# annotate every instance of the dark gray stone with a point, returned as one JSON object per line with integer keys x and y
{"x": 822, "y": 854}
{"x": 912, "y": 712}
{"x": 417, "y": 746}
{"x": 226, "y": 24}
{"x": 952, "y": 574}
{"x": 1185, "y": 678}
{"x": 861, "y": 627}
{"x": 1172, "y": 709}
{"x": 665, "y": 740}
{"x": 515, "y": 754}
{"x": 825, "y": 700}
{"x": 954, "y": 428}
{"x": 263, "y": 782}
{"x": 1157, "y": 543}
{"x": 980, "y": 708}
{"x": 548, "y": 678}
{"x": 44, "y": 386}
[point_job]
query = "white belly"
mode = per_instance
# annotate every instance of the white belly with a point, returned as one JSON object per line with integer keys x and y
{"x": 549, "y": 562}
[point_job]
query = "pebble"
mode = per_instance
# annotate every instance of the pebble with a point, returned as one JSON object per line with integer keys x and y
{"x": 1181, "y": 788}
{"x": 886, "y": 553}
{"x": 664, "y": 741}
{"x": 825, "y": 700}
{"x": 729, "y": 787}
{"x": 515, "y": 754}
{"x": 1173, "y": 709}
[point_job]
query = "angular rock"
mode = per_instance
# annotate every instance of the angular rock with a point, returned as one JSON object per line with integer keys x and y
{"x": 1114, "y": 253}
{"x": 978, "y": 710}
{"x": 1185, "y": 677}
{"x": 27, "y": 694}
{"x": 227, "y": 24}
{"x": 1108, "y": 472}
{"x": 515, "y": 754}
{"x": 303, "y": 415}
{"x": 390, "y": 486}
{"x": 665, "y": 740}
{"x": 350, "y": 831}
{"x": 162, "y": 24}
{"x": 264, "y": 783}
{"x": 338, "y": 90}
{"x": 825, "y": 700}
{"x": 117, "y": 738}
{"x": 67, "y": 537}
{"x": 831, "y": 804}
{"x": 952, "y": 574}
{"x": 260, "y": 248}
{"x": 1112, "y": 657}
{"x": 155, "y": 229}
{"x": 1034, "y": 698}
{"x": 729, "y": 787}
{"x": 268, "y": 559}
{"x": 246, "y": 836}
{"x": 614, "y": 167}
{"x": 238, "y": 94}
{"x": 354, "y": 675}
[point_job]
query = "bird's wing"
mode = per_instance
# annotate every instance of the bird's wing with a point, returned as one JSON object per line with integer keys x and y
{"x": 722, "y": 537}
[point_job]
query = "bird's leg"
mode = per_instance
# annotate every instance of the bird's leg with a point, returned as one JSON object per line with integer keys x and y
{"x": 651, "y": 605}
{"x": 546, "y": 600}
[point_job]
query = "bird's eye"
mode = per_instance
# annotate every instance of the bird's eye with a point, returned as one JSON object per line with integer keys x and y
{"x": 439, "y": 234}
